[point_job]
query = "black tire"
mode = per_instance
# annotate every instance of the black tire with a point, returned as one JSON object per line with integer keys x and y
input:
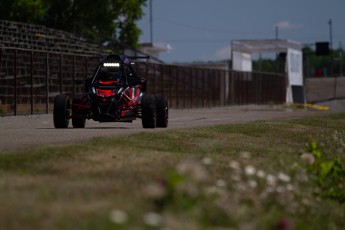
{"x": 78, "y": 120}
{"x": 162, "y": 111}
{"x": 62, "y": 111}
{"x": 148, "y": 110}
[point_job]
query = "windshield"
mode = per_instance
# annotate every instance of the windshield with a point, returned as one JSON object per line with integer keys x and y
{"x": 109, "y": 74}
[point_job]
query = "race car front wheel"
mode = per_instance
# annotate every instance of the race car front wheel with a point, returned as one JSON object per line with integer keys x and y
{"x": 62, "y": 111}
{"x": 148, "y": 109}
{"x": 162, "y": 111}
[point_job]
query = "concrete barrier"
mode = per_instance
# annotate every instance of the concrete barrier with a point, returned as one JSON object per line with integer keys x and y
{"x": 324, "y": 89}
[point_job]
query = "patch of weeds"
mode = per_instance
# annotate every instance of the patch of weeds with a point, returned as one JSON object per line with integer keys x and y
{"x": 192, "y": 195}
{"x": 329, "y": 173}
{"x": 250, "y": 197}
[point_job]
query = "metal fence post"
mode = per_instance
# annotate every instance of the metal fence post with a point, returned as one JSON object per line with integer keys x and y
{"x": 162, "y": 78}
{"x": 147, "y": 77}
{"x": 234, "y": 90}
{"x": 215, "y": 80}
{"x": 154, "y": 80}
{"x": 197, "y": 96}
{"x": 32, "y": 83}
{"x": 184, "y": 88}
{"x": 191, "y": 87}
{"x": 203, "y": 88}
{"x": 60, "y": 80}
{"x": 0, "y": 59}
{"x": 86, "y": 68}
{"x": 177, "y": 87}
{"x": 0, "y": 62}
{"x": 47, "y": 82}
{"x": 15, "y": 84}
{"x": 210, "y": 87}
{"x": 170, "y": 85}
{"x": 227, "y": 76}
{"x": 73, "y": 77}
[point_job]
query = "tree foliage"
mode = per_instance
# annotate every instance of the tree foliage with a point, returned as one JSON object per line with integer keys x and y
{"x": 313, "y": 65}
{"x": 97, "y": 21}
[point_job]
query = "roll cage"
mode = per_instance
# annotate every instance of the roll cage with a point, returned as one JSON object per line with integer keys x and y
{"x": 116, "y": 67}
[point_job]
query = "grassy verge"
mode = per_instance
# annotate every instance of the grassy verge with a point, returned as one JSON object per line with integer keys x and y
{"x": 260, "y": 175}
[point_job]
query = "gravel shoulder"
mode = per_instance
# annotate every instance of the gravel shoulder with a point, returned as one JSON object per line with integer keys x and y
{"x": 22, "y": 132}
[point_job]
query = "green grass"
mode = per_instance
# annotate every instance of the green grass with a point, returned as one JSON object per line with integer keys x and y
{"x": 189, "y": 179}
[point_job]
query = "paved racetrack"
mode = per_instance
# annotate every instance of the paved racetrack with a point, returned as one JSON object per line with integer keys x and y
{"x": 38, "y": 130}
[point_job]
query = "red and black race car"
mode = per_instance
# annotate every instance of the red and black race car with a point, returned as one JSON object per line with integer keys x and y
{"x": 114, "y": 94}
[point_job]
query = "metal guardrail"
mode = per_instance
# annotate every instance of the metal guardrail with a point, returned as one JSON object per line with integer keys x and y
{"x": 29, "y": 81}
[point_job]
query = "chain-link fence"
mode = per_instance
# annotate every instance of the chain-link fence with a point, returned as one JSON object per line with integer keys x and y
{"x": 29, "y": 81}
{"x": 190, "y": 87}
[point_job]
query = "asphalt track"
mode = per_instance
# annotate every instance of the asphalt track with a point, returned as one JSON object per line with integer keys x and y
{"x": 22, "y": 132}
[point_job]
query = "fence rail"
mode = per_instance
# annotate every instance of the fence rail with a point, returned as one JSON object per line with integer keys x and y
{"x": 29, "y": 81}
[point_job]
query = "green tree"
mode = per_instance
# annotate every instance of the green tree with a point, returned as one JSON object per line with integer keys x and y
{"x": 331, "y": 65}
{"x": 265, "y": 65}
{"x": 96, "y": 21}
{"x": 126, "y": 13}
{"x": 29, "y": 11}
{"x": 89, "y": 19}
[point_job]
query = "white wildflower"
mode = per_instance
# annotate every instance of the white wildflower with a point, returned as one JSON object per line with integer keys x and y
{"x": 241, "y": 187}
{"x": 308, "y": 158}
{"x": 289, "y": 187}
{"x": 280, "y": 189}
{"x": 235, "y": 165}
{"x": 302, "y": 177}
{"x": 193, "y": 169}
{"x": 235, "y": 178}
{"x": 271, "y": 180}
{"x": 252, "y": 183}
{"x": 155, "y": 190}
{"x": 153, "y": 219}
{"x": 249, "y": 170}
{"x": 118, "y": 216}
{"x": 245, "y": 155}
{"x": 260, "y": 174}
{"x": 305, "y": 201}
{"x": 220, "y": 183}
{"x": 211, "y": 190}
{"x": 269, "y": 190}
{"x": 207, "y": 161}
{"x": 283, "y": 177}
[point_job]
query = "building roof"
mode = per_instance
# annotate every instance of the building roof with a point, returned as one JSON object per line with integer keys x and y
{"x": 264, "y": 46}
{"x": 155, "y": 49}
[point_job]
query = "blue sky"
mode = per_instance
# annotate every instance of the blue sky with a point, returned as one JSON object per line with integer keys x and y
{"x": 201, "y": 30}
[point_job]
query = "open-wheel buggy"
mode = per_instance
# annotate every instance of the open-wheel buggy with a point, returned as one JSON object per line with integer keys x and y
{"x": 114, "y": 93}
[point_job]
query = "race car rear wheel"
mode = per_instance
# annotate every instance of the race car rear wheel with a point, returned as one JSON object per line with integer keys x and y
{"x": 78, "y": 120}
{"x": 62, "y": 111}
{"x": 162, "y": 111}
{"x": 148, "y": 109}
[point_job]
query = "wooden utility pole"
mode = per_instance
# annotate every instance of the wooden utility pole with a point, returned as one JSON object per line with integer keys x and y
{"x": 151, "y": 24}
